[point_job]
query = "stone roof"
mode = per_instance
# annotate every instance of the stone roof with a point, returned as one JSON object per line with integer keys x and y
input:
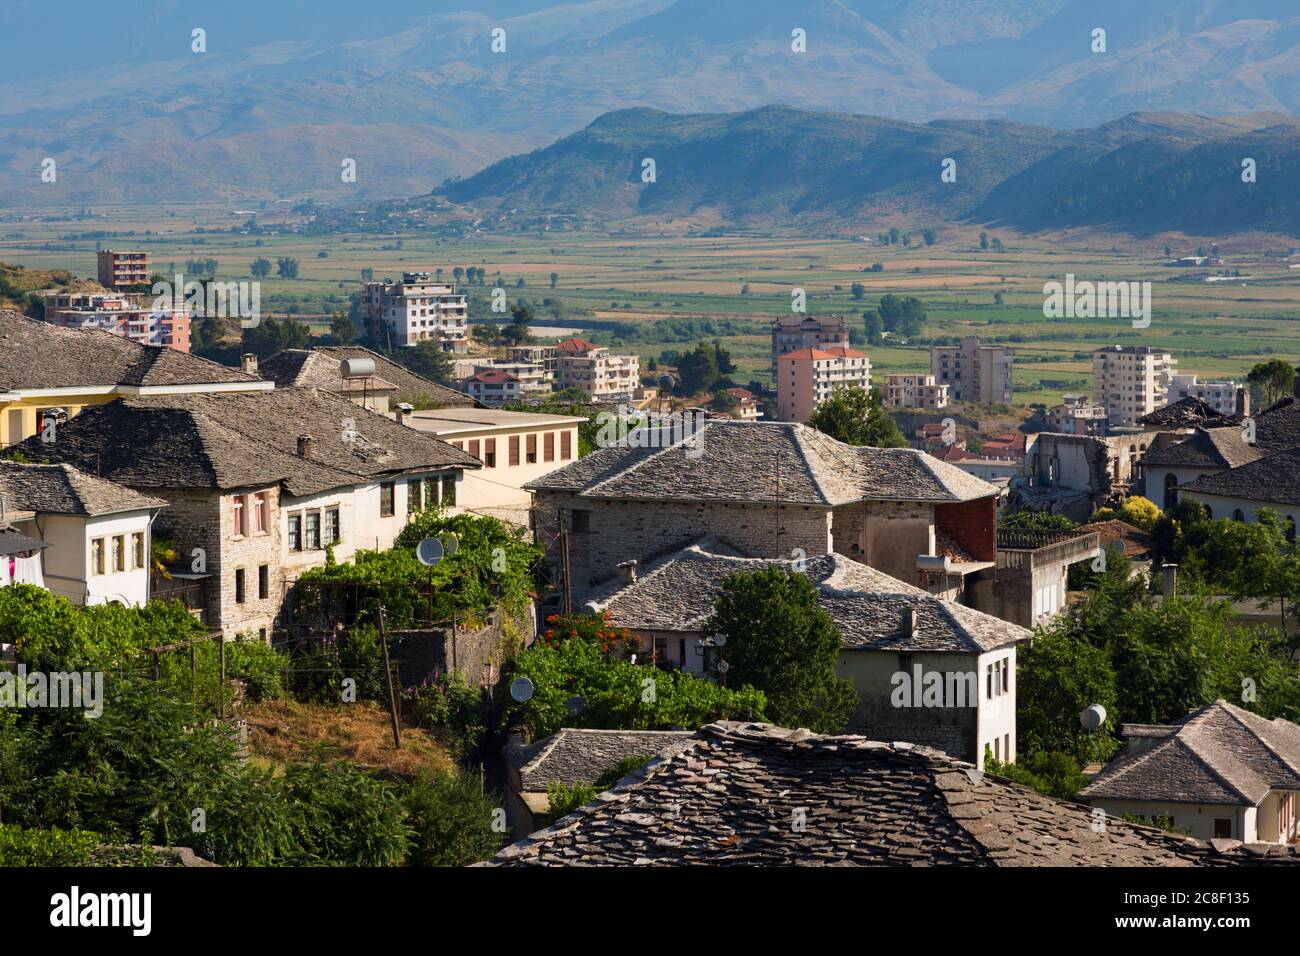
{"x": 574, "y": 755}
{"x": 37, "y": 355}
{"x": 1272, "y": 479}
{"x": 872, "y": 610}
{"x": 242, "y": 439}
{"x": 1218, "y": 754}
{"x": 744, "y": 794}
{"x": 1277, "y": 428}
{"x": 765, "y": 462}
{"x": 65, "y": 490}
{"x": 1187, "y": 412}
{"x": 1206, "y": 448}
{"x": 409, "y": 385}
{"x": 308, "y": 368}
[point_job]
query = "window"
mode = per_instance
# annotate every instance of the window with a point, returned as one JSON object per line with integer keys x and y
{"x": 431, "y": 492}
{"x": 514, "y": 450}
{"x": 119, "y": 553}
{"x": 137, "y": 551}
{"x": 261, "y": 514}
{"x": 490, "y": 452}
{"x": 97, "y": 556}
{"x": 295, "y": 531}
{"x": 581, "y": 520}
{"x": 1006, "y": 746}
{"x": 989, "y": 683}
{"x": 997, "y": 678}
{"x": 239, "y": 585}
{"x": 473, "y": 448}
{"x": 413, "y": 504}
{"x": 1006, "y": 675}
{"x": 448, "y": 490}
{"x": 263, "y": 582}
{"x": 313, "y": 530}
{"x": 548, "y": 446}
{"x": 333, "y": 533}
{"x": 240, "y": 501}
{"x": 386, "y": 499}
{"x": 1222, "y": 828}
{"x": 1238, "y": 515}
{"x": 566, "y": 445}
{"x": 531, "y": 456}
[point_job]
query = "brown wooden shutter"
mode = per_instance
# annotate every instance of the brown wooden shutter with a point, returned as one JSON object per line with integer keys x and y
{"x": 566, "y": 450}
{"x": 514, "y": 449}
{"x": 548, "y": 446}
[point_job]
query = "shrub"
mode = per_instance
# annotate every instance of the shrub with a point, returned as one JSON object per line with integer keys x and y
{"x": 451, "y": 821}
{"x": 445, "y": 702}
{"x": 342, "y": 816}
{"x": 19, "y": 847}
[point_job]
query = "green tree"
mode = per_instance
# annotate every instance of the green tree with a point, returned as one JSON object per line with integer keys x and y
{"x": 428, "y": 359}
{"x": 858, "y": 290}
{"x": 779, "y": 640}
{"x": 286, "y": 267}
{"x": 260, "y": 267}
{"x": 855, "y": 416}
{"x": 1271, "y": 381}
{"x": 698, "y": 369}
{"x": 875, "y": 328}
{"x": 902, "y": 315}
{"x": 343, "y": 331}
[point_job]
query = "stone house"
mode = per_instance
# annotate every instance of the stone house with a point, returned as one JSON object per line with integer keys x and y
{"x": 375, "y": 382}
{"x": 259, "y": 485}
{"x": 897, "y": 640}
{"x": 770, "y": 490}
{"x": 1219, "y": 773}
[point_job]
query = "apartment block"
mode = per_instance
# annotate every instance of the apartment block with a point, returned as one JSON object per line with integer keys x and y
{"x": 1226, "y": 398}
{"x": 119, "y": 269}
{"x": 121, "y": 313}
{"x": 914, "y": 391}
{"x": 494, "y": 387}
{"x": 973, "y": 372}
{"x": 533, "y": 379}
{"x": 1131, "y": 381}
{"x": 415, "y": 310}
{"x": 790, "y": 333}
{"x": 547, "y": 356}
{"x": 596, "y": 371}
{"x": 807, "y": 377}
{"x": 1078, "y": 416}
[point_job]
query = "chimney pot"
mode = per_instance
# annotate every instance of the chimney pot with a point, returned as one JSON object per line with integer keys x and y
{"x": 404, "y": 412}
{"x": 1243, "y": 401}
{"x": 304, "y": 446}
{"x": 627, "y": 572}
{"x": 1170, "y": 580}
{"x": 248, "y": 363}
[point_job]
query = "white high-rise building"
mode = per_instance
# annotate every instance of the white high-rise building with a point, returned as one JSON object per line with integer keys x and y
{"x": 1223, "y": 397}
{"x": 1131, "y": 381}
{"x": 417, "y": 309}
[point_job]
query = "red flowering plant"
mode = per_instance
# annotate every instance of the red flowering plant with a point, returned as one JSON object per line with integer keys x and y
{"x": 595, "y": 629}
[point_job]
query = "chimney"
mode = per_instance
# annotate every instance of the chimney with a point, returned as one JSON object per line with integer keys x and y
{"x": 910, "y": 624}
{"x": 248, "y": 363}
{"x": 404, "y": 410}
{"x": 1171, "y": 580}
{"x": 304, "y": 446}
{"x": 1243, "y": 401}
{"x": 627, "y": 572}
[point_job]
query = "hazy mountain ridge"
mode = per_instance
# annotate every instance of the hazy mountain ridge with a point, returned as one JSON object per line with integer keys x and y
{"x": 416, "y": 95}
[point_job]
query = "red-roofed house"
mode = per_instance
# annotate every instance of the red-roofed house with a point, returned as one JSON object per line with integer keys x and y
{"x": 806, "y": 377}
{"x": 491, "y": 386}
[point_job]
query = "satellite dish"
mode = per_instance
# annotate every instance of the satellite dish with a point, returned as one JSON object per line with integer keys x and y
{"x": 576, "y": 705}
{"x": 723, "y": 667}
{"x": 521, "y": 689}
{"x": 429, "y": 551}
{"x": 667, "y": 382}
{"x": 1092, "y": 717}
{"x": 450, "y": 543}
{"x": 720, "y": 640}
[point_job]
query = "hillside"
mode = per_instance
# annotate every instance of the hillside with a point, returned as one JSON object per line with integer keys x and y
{"x": 779, "y": 166}
{"x": 20, "y": 286}
{"x": 414, "y": 92}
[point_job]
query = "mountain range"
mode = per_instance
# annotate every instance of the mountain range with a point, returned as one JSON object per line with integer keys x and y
{"x": 412, "y": 90}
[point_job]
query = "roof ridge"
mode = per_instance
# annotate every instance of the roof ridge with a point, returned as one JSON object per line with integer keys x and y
{"x": 797, "y": 438}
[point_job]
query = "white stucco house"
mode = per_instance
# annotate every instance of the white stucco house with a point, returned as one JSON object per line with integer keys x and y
{"x": 1219, "y": 773}
{"x": 96, "y": 535}
{"x": 927, "y": 670}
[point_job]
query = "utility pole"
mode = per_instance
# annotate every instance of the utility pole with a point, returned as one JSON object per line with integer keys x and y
{"x": 564, "y": 565}
{"x": 388, "y": 679}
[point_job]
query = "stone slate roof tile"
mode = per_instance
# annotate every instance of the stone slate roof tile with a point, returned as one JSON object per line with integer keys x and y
{"x": 752, "y": 794}
{"x": 1218, "y": 754}
{"x": 35, "y": 354}
{"x": 241, "y": 439}
{"x": 65, "y": 490}
{"x": 1188, "y": 412}
{"x": 1272, "y": 479}
{"x": 409, "y": 385}
{"x": 1206, "y": 448}
{"x": 766, "y": 462}
{"x": 574, "y": 755}
{"x": 871, "y": 609}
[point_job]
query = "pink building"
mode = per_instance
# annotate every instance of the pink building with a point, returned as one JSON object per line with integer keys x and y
{"x": 807, "y": 377}
{"x": 121, "y": 313}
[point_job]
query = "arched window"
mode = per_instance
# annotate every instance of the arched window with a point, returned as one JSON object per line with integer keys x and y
{"x": 1209, "y": 512}
{"x": 1171, "y": 490}
{"x": 1238, "y": 515}
{"x": 1290, "y": 528}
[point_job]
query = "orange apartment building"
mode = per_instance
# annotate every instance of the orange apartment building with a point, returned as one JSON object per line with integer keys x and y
{"x": 120, "y": 269}
{"x": 121, "y": 313}
{"x": 806, "y": 377}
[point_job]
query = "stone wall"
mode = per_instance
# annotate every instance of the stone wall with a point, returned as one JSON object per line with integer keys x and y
{"x": 478, "y": 653}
